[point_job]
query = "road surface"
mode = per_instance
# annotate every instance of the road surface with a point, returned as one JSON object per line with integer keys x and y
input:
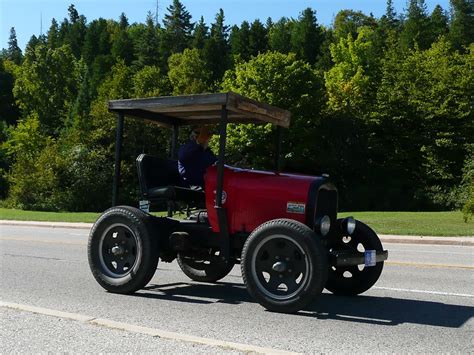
{"x": 424, "y": 302}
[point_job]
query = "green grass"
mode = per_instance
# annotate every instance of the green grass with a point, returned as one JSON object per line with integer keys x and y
{"x": 405, "y": 223}
{"x": 416, "y": 223}
{"x": 20, "y": 215}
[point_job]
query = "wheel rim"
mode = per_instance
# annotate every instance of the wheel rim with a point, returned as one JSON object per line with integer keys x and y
{"x": 280, "y": 267}
{"x": 119, "y": 250}
{"x": 353, "y": 273}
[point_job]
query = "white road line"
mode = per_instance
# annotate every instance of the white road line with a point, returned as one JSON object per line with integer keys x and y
{"x": 47, "y": 311}
{"x": 247, "y": 348}
{"x": 424, "y": 291}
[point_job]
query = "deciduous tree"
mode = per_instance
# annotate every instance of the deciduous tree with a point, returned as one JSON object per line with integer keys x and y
{"x": 188, "y": 73}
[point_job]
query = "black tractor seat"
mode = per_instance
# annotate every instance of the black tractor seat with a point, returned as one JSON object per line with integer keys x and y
{"x": 159, "y": 180}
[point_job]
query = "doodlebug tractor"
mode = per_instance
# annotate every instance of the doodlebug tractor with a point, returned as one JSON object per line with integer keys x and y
{"x": 281, "y": 228}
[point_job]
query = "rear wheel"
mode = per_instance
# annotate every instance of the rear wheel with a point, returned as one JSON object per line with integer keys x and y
{"x": 123, "y": 254}
{"x": 284, "y": 265}
{"x": 355, "y": 279}
{"x": 210, "y": 270}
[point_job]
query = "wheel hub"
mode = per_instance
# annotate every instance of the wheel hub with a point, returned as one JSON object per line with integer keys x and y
{"x": 279, "y": 266}
{"x": 117, "y": 250}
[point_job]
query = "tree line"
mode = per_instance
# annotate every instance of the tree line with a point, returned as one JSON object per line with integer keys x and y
{"x": 384, "y": 105}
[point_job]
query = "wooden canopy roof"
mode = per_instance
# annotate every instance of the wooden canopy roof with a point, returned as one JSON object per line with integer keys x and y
{"x": 201, "y": 109}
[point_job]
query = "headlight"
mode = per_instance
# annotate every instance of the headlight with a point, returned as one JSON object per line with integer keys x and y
{"x": 324, "y": 225}
{"x": 349, "y": 225}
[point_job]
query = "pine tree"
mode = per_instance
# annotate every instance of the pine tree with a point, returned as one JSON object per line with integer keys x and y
{"x": 306, "y": 37}
{"x": 216, "y": 51}
{"x": 239, "y": 41}
{"x": 123, "y": 21}
{"x": 75, "y": 31}
{"x": 461, "y": 31}
{"x": 122, "y": 44}
{"x": 13, "y": 51}
{"x": 30, "y": 47}
{"x": 148, "y": 47}
{"x": 200, "y": 34}
{"x": 416, "y": 28}
{"x": 390, "y": 12}
{"x": 258, "y": 40}
{"x": 52, "y": 36}
{"x": 439, "y": 22}
{"x": 178, "y": 27}
{"x": 97, "y": 41}
{"x": 219, "y": 31}
{"x": 279, "y": 35}
{"x": 389, "y": 20}
{"x": 73, "y": 14}
{"x": 269, "y": 23}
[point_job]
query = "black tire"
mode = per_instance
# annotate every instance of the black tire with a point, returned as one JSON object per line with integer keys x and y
{"x": 133, "y": 263}
{"x": 280, "y": 254}
{"x": 205, "y": 271}
{"x": 356, "y": 280}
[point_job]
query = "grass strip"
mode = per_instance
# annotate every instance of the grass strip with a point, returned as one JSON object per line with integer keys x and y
{"x": 416, "y": 223}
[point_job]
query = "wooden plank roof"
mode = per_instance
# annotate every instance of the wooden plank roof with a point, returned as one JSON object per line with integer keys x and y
{"x": 201, "y": 109}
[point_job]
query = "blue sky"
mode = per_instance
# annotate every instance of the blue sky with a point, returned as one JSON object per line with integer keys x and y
{"x": 25, "y": 15}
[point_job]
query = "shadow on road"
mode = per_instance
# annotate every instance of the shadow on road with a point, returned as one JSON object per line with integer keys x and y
{"x": 360, "y": 309}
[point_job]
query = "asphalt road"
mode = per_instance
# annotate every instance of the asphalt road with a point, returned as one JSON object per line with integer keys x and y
{"x": 424, "y": 302}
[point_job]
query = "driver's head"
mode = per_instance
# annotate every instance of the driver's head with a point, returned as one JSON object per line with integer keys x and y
{"x": 201, "y": 134}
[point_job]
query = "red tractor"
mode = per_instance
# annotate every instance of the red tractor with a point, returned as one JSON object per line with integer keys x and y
{"x": 281, "y": 228}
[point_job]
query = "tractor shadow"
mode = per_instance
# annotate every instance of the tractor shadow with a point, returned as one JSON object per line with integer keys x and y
{"x": 387, "y": 311}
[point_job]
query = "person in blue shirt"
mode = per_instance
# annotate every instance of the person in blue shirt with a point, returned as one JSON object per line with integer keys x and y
{"x": 195, "y": 156}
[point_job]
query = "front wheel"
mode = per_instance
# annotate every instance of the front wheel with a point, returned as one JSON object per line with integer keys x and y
{"x": 355, "y": 279}
{"x": 284, "y": 265}
{"x": 123, "y": 253}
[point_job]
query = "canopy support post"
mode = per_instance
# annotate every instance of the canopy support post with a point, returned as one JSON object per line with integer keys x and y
{"x": 220, "y": 210}
{"x": 174, "y": 142}
{"x": 279, "y": 139}
{"x": 173, "y": 155}
{"x": 118, "y": 158}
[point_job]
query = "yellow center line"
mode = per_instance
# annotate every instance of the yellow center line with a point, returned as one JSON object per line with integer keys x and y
{"x": 427, "y": 265}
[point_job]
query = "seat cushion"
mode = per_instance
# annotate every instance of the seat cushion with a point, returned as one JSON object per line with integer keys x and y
{"x": 176, "y": 193}
{"x": 166, "y": 192}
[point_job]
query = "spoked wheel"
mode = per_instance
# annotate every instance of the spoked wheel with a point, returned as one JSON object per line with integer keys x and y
{"x": 284, "y": 265}
{"x": 356, "y": 279}
{"x": 123, "y": 254}
{"x": 210, "y": 270}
